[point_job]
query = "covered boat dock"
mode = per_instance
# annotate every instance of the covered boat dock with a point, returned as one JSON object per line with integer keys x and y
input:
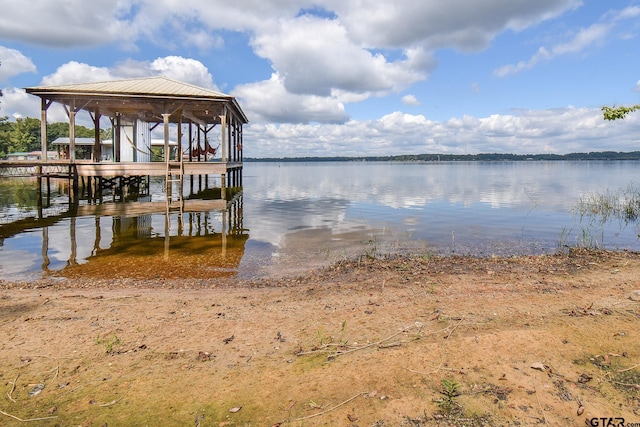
{"x": 136, "y": 109}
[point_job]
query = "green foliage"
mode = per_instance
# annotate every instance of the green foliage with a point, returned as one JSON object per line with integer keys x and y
{"x": 342, "y": 329}
{"x": 450, "y": 391}
{"x": 600, "y": 208}
{"x": 18, "y": 193}
{"x": 5, "y": 127}
{"x": 615, "y": 113}
{"x": 106, "y": 134}
{"x": 61, "y": 129}
{"x": 110, "y": 343}
{"x": 23, "y": 135}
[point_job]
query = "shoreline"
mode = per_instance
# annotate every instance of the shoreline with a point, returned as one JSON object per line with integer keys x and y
{"x": 446, "y": 341}
{"x": 569, "y": 260}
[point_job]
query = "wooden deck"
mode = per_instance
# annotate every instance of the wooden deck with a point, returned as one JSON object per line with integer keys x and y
{"x": 154, "y": 168}
{"x": 66, "y": 169}
{"x": 145, "y": 208}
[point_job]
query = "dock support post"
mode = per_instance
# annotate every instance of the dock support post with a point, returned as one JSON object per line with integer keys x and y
{"x": 39, "y": 196}
{"x": 72, "y": 132}
{"x": 44, "y": 157}
{"x": 45, "y": 249}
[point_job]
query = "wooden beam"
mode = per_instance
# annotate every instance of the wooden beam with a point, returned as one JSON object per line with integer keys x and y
{"x": 192, "y": 117}
{"x": 96, "y": 133}
{"x": 166, "y": 137}
{"x": 223, "y": 121}
{"x": 43, "y": 130}
{"x": 72, "y": 133}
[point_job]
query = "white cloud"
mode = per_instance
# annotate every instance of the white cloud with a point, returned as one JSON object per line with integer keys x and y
{"x": 13, "y": 63}
{"x": 467, "y": 25}
{"x": 183, "y": 69}
{"x": 523, "y": 132}
{"x": 203, "y": 40}
{"x": 357, "y": 50}
{"x": 75, "y": 72}
{"x": 352, "y": 51}
{"x": 65, "y": 24}
{"x": 410, "y": 100}
{"x": 269, "y": 101}
{"x": 178, "y": 68}
{"x": 627, "y": 13}
{"x": 586, "y": 38}
{"x": 17, "y": 103}
{"x": 336, "y": 53}
{"x": 315, "y": 56}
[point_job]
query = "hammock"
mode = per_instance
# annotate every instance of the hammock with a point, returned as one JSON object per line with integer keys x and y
{"x": 133, "y": 146}
{"x": 208, "y": 149}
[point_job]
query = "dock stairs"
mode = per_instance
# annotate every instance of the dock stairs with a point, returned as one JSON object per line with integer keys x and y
{"x": 175, "y": 175}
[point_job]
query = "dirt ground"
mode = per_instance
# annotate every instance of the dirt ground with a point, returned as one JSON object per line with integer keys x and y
{"x": 403, "y": 341}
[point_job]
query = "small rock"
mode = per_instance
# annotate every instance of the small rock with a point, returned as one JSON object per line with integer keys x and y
{"x": 635, "y": 295}
{"x": 584, "y": 378}
{"x": 36, "y": 390}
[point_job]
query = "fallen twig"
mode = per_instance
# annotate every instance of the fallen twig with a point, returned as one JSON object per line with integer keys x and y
{"x": 338, "y": 352}
{"x": 13, "y": 387}
{"x": 380, "y": 344}
{"x": 637, "y": 386}
{"x": 28, "y": 420}
{"x": 113, "y": 402}
{"x": 373, "y": 344}
{"x": 628, "y": 369}
{"x": 544, "y": 419}
{"x": 332, "y": 408}
{"x": 439, "y": 368}
{"x": 454, "y": 328}
{"x": 390, "y": 345}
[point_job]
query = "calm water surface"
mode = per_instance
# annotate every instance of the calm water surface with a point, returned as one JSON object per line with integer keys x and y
{"x": 292, "y": 216}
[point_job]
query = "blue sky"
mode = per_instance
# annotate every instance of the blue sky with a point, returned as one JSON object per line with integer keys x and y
{"x": 354, "y": 77}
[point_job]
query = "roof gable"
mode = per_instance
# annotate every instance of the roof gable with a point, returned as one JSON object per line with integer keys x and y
{"x": 146, "y": 98}
{"x": 158, "y": 85}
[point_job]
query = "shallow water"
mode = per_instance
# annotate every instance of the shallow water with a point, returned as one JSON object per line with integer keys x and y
{"x": 293, "y": 216}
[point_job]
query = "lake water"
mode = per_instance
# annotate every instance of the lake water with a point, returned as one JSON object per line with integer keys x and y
{"x": 292, "y": 216}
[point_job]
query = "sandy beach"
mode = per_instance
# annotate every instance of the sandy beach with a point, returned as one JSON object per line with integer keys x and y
{"x": 401, "y": 341}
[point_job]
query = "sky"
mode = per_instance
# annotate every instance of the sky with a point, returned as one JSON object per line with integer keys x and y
{"x": 354, "y": 77}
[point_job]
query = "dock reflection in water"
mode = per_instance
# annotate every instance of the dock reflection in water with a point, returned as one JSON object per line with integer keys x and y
{"x": 141, "y": 239}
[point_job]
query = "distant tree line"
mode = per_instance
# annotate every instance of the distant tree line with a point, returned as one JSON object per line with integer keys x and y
{"x": 23, "y": 135}
{"x": 600, "y": 155}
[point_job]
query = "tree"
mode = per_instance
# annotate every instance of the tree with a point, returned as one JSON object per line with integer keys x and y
{"x": 57, "y": 130}
{"x": 614, "y": 113}
{"x": 5, "y": 129}
{"x": 24, "y": 135}
{"x": 61, "y": 129}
